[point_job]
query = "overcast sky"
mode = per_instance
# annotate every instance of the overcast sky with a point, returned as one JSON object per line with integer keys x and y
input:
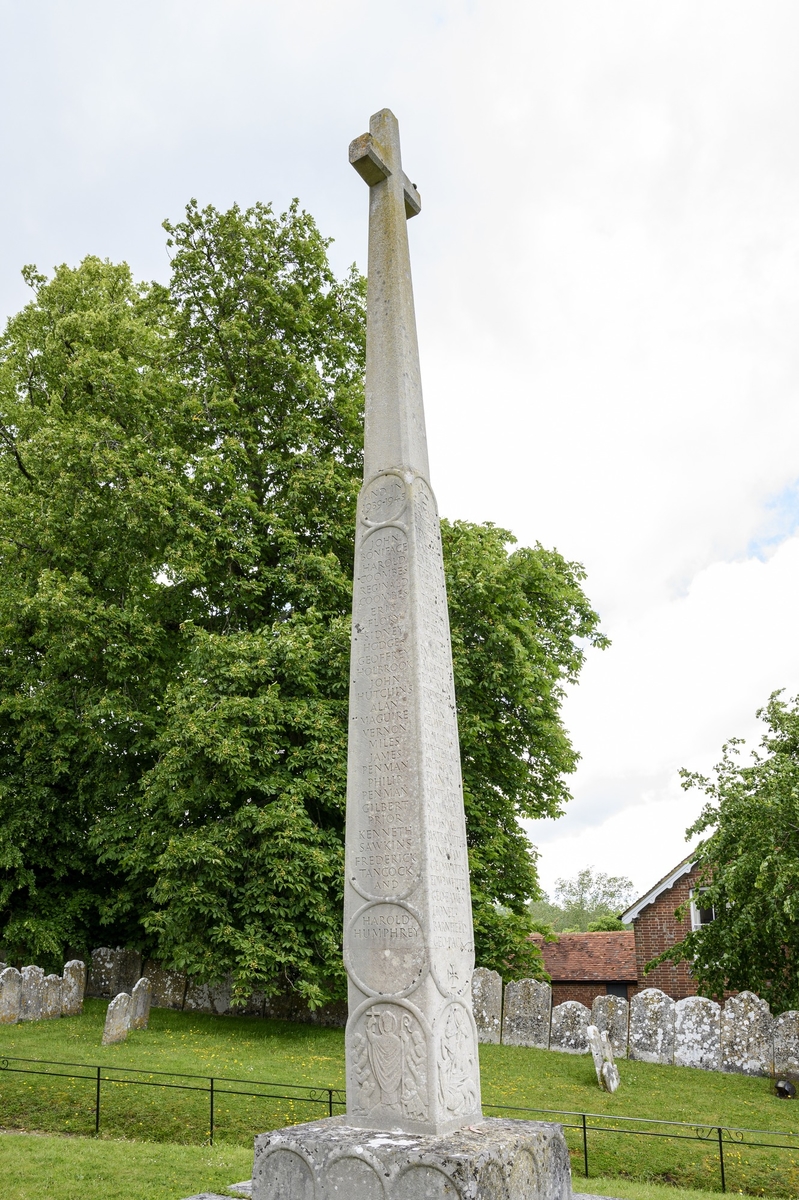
{"x": 607, "y": 288}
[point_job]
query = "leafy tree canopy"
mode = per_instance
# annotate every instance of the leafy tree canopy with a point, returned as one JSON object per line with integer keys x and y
{"x": 178, "y": 474}
{"x": 590, "y": 902}
{"x": 749, "y": 864}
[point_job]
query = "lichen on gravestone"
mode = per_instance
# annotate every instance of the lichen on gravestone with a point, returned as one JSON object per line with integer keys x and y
{"x": 569, "y": 1029}
{"x": 140, "y": 1001}
{"x": 786, "y": 1045}
{"x": 31, "y": 996}
{"x": 611, "y": 1015}
{"x": 72, "y": 988}
{"x": 169, "y": 987}
{"x": 697, "y": 1033}
{"x": 651, "y": 1027}
{"x": 607, "y": 1073}
{"x": 487, "y": 1005}
{"x": 526, "y": 1013}
{"x": 117, "y": 1019}
{"x": 10, "y": 995}
{"x": 747, "y": 1035}
{"x": 51, "y": 997}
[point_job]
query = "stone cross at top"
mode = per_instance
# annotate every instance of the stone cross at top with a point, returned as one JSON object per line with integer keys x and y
{"x": 395, "y": 431}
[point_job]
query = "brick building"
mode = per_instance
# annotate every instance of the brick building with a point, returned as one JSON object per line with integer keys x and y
{"x": 656, "y": 928}
{"x": 585, "y": 965}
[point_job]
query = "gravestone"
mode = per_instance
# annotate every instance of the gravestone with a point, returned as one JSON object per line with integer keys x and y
{"x": 569, "y": 1028}
{"x": 117, "y": 1019}
{"x": 32, "y": 994}
{"x": 208, "y": 998}
{"x": 51, "y": 997}
{"x": 786, "y": 1045}
{"x": 413, "y": 1082}
{"x": 487, "y": 1004}
{"x": 611, "y": 1015}
{"x": 527, "y": 1011}
{"x": 607, "y": 1073}
{"x": 140, "y": 1001}
{"x": 10, "y": 996}
{"x": 651, "y": 1027}
{"x": 113, "y": 971}
{"x": 72, "y": 988}
{"x": 169, "y": 987}
{"x": 747, "y": 1035}
{"x": 697, "y": 1033}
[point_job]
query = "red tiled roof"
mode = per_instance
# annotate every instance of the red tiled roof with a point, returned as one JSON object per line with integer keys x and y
{"x": 575, "y": 957}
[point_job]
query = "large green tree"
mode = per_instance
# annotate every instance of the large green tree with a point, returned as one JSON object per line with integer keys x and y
{"x": 749, "y": 866}
{"x": 179, "y": 468}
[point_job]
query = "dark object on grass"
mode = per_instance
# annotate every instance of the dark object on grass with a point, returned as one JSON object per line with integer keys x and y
{"x": 785, "y": 1089}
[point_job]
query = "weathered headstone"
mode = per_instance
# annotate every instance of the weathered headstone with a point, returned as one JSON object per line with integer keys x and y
{"x": 611, "y": 1015}
{"x": 747, "y": 1035}
{"x": 32, "y": 994}
{"x": 140, "y": 1001}
{"x": 786, "y": 1045}
{"x": 651, "y": 1027}
{"x": 607, "y": 1073}
{"x": 10, "y": 996}
{"x": 113, "y": 971}
{"x": 569, "y": 1028}
{"x": 72, "y": 988}
{"x": 51, "y": 997}
{"x": 697, "y": 1033}
{"x": 208, "y": 998}
{"x": 169, "y": 987}
{"x": 487, "y": 1004}
{"x": 526, "y": 1015}
{"x": 117, "y": 1019}
{"x": 413, "y": 1081}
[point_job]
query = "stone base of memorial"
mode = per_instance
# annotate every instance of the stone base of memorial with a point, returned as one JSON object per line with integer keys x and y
{"x": 494, "y": 1159}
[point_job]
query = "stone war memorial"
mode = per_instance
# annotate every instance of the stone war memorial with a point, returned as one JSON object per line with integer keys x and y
{"x": 413, "y": 1129}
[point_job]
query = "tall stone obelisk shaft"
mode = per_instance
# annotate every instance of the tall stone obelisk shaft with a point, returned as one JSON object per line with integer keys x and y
{"x": 408, "y": 939}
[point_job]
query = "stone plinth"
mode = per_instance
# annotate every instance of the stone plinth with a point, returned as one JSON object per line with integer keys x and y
{"x": 30, "y": 1004}
{"x": 569, "y": 1028}
{"x": 140, "y": 1001}
{"x": 786, "y": 1045}
{"x": 72, "y": 988}
{"x": 491, "y": 1160}
{"x": 51, "y": 997}
{"x": 747, "y": 1035}
{"x": 697, "y": 1033}
{"x": 526, "y": 1016}
{"x": 611, "y": 1015}
{"x": 487, "y": 1005}
{"x": 652, "y": 1027}
{"x": 10, "y": 995}
{"x": 117, "y": 1020}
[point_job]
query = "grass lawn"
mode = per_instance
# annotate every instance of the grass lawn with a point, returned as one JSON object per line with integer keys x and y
{"x": 284, "y": 1053}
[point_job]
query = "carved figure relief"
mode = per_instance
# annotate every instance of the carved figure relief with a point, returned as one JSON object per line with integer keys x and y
{"x": 390, "y": 1062}
{"x": 457, "y": 1063}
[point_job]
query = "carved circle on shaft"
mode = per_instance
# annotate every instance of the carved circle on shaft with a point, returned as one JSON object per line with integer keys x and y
{"x": 384, "y": 949}
{"x": 384, "y": 499}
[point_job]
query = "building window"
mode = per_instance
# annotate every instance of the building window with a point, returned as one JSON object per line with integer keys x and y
{"x": 701, "y": 914}
{"x": 616, "y": 989}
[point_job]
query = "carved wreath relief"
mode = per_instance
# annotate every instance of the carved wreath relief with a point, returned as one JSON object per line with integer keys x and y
{"x": 390, "y": 1062}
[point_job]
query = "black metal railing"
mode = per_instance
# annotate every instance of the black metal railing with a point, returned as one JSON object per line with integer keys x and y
{"x": 332, "y": 1098}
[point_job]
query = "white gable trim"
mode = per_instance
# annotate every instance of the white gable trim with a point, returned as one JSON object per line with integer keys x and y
{"x": 657, "y": 890}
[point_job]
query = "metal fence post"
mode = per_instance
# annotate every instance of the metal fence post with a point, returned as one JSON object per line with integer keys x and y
{"x": 212, "y": 1111}
{"x": 585, "y": 1145}
{"x": 721, "y": 1159}
{"x": 330, "y": 1102}
{"x": 97, "y": 1106}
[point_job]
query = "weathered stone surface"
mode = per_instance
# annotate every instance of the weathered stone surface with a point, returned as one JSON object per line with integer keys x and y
{"x": 747, "y": 1035}
{"x": 697, "y": 1033}
{"x": 569, "y": 1027}
{"x": 72, "y": 988}
{"x": 487, "y": 1005}
{"x": 651, "y": 1027}
{"x": 208, "y": 998}
{"x": 169, "y": 987}
{"x": 527, "y": 1010}
{"x": 113, "y": 971}
{"x": 786, "y": 1045}
{"x": 51, "y": 997}
{"x": 128, "y": 969}
{"x": 140, "y": 1001}
{"x": 492, "y": 1160}
{"x": 117, "y": 1019}
{"x": 32, "y": 994}
{"x": 607, "y": 1073}
{"x": 10, "y": 996}
{"x": 611, "y": 1015}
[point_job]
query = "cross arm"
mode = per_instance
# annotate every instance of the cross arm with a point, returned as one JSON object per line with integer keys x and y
{"x": 369, "y": 160}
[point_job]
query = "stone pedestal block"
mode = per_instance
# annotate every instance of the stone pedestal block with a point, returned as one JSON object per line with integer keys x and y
{"x": 72, "y": 988}
{"x": 611, "y": 1015}
{"x": 697, "y": 1033}
{"x": 487, "y": 1005}
{"x": 140, "y": 1001}
{"x": 786, "y": 1045}
{"x": 30, "y": 1004}
{"x": 569, "y": 1028}
{"x": 490, "y": 1160}
{"x": 117, "y": 1020}
{"x": 527, "y": 1011}
{"x": 652, "y": 1027}
{"x": 51, "y": 997}
{"x": 747, "y": 1035}
{"x": 10, "y": 995}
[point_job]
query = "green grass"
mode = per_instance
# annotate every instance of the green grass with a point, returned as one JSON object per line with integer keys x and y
{"x": 285, "y": 1053}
